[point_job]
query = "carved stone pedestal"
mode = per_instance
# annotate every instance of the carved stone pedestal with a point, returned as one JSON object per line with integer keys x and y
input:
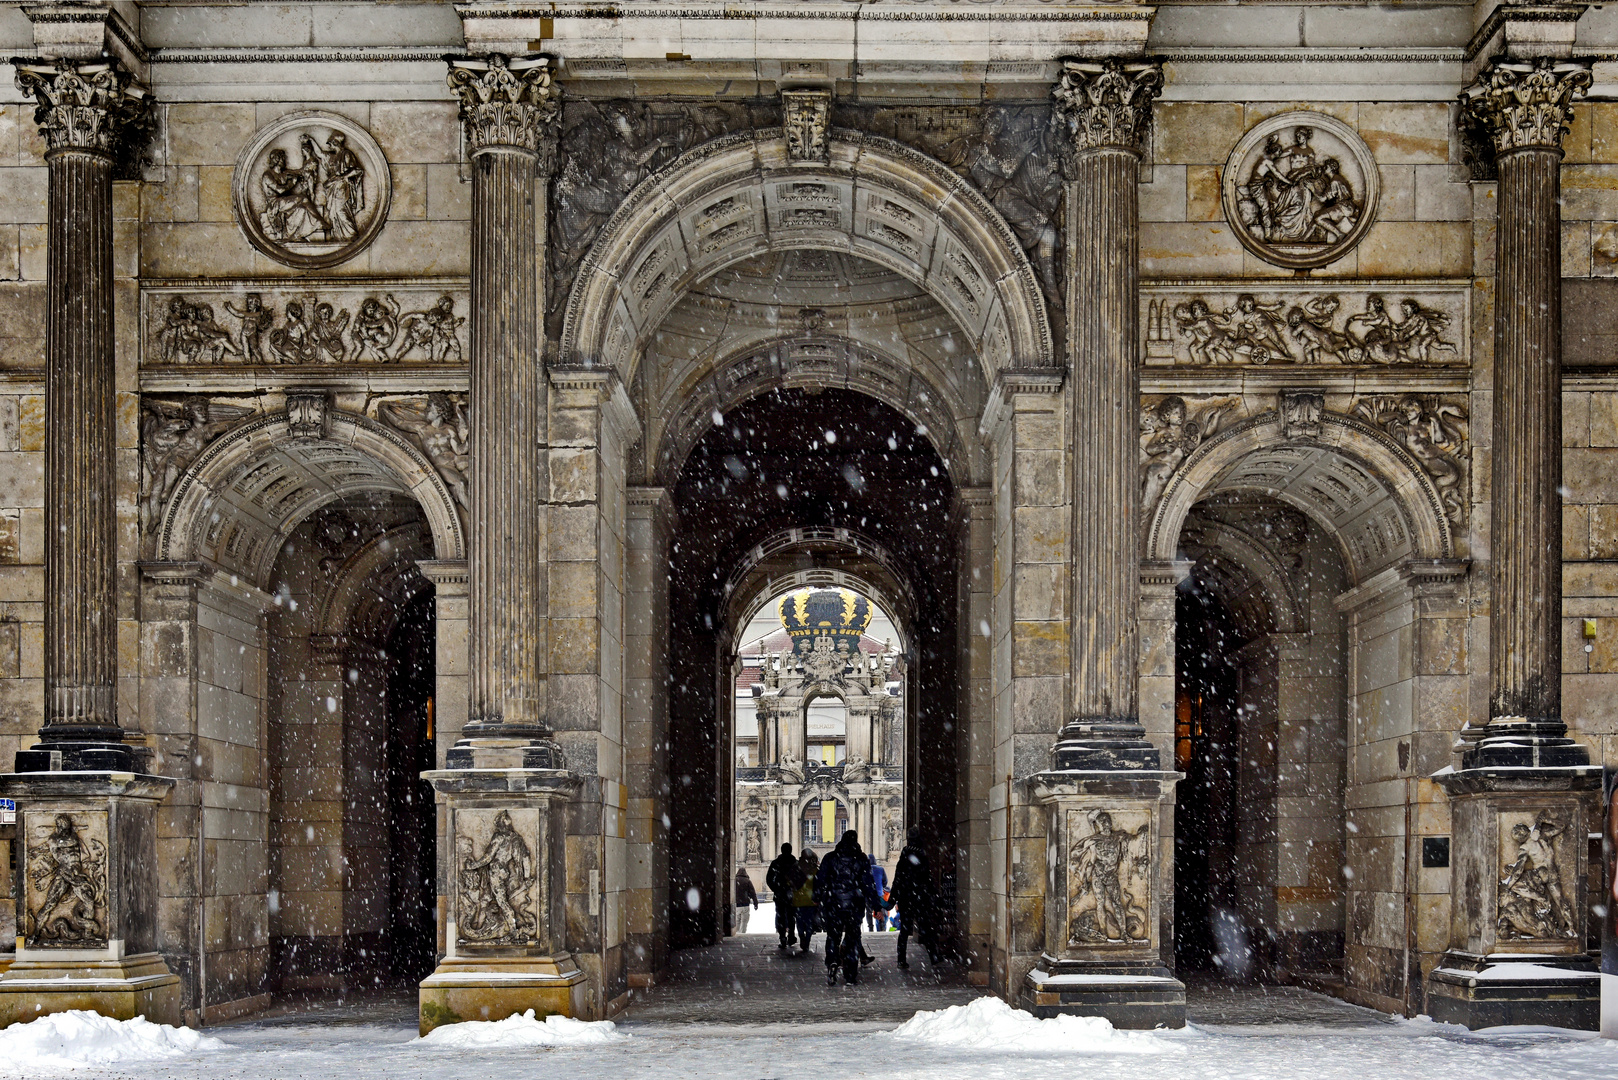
{"x": 87, "y": 904}
{"x": 1518, "y": 930}
{"x": 503, "y": 922}
{"x": 1103, "y": 905}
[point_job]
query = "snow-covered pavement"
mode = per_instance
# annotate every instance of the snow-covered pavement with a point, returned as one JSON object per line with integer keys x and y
{"x": 981, "y": 1042}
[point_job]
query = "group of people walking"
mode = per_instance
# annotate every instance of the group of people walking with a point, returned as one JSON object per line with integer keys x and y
{"x": 835, "y": 895}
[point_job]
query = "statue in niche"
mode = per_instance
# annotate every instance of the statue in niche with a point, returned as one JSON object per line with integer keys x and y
{"x": 1432, "y": 431}
{"x": 71, "y": 872}
{"x": 1168, "y": 435}
{"x": 172, "y": 434}
{"x": 443, "y": 431}
{"x": 1103, "y": 909}
{"x": 494, "y": 904}
{"x": 1533, "y": 905}
{"x": 755, "y": 842}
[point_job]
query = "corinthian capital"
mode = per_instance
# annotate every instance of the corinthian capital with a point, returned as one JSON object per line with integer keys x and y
{"x": 506, "y": 103}
{"x": 1106, "y": 104}
{"x": 83, "y": 105}
{"x": 1521, "y": 106}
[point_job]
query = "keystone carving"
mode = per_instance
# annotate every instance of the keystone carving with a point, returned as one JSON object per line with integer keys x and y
{"x": 1107, "y": 104}
{"x": 505, "y": 101}
{"x": 806, "y": 118}
{"x": 84, "y": 105}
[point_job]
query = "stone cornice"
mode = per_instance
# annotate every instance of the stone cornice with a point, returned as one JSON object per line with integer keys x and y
{"x": 1528, "y": 13}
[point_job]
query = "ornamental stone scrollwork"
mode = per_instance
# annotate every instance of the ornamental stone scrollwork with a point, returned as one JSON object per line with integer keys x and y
{"x": 311, "y": 190}
{"x": 173, "y": 431}
{"x": 1109, "y": 876}
{"x": 94, "y": 106}
{"x": 439, "y": 424}
{"x": 506, "y": 102}
{"x": 307, "y": 414}
{"x": 1170, "y": 430}
{"x": 1521, "y": 106}
{"x": 1537, "y": 889}
{"x": 66, "y": 880}
{"x": 496, "y": 873}
{"x": 1417, "y": 326}
{"x": 1301, "y": 189}
{"x": 1106, "y": 104}
{"x": 1301, "y": 411}
{"x": 1433, "y": 432}
{"x": 806, "y": 121}
{"x": 282, "y": 324}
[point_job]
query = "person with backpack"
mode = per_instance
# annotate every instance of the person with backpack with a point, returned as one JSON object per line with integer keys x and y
{"x": 845, "y": 893}
{"x": 746, "y": 899}
{"x": 782, "y": 880}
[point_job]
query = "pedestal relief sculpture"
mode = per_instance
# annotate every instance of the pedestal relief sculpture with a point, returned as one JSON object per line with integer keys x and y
{"x": 1525, "y": 792}
{"x": 1104, "y": 792}
{"x": 506, "y": 785}
{"x": 1300, "y": 189}
{"x": 311, "y": 190}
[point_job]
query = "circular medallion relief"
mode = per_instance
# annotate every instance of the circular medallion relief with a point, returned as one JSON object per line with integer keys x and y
{"x": 1301, "y": 189}
{"x": 311, "y": 189}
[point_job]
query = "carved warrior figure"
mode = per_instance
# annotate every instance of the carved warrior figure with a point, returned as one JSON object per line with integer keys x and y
{"x": 1433, "y": 432}
{"x": 1532, "y": 902}
{"x": 72, "y": 875}
{"x": 1103, "y": 909}
{"x": 172, "y": 434}
{"x": 441, "y": 428}
{"x": 1168, "y": 435}
{"x": 494, "y": 890}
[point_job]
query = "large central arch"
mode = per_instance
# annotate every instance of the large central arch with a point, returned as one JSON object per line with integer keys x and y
{"x": 740, "y": 196}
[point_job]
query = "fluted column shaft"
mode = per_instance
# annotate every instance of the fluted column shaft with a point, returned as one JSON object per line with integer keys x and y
{"x": 1106, "y": 108}
{"x": 1522, "y": 110}
{"x": 508, "y": 108}
{"x": 83, "y": 109}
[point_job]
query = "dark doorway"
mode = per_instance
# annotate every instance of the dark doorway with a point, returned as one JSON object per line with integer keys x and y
{"x": 412, "y": 900}
{"x": 1206, "y": 749}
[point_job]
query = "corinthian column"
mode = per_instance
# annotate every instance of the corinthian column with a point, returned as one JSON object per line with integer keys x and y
{"x": 84, "y": 110}
{"x": 1523, "y": 109}
{"x": 1105, "y": 108}
{"x": 510, "y": 109}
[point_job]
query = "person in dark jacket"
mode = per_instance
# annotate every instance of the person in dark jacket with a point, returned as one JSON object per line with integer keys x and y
{"x": 803, "y": 900}
{"x": 746, "y": 899}
{"x": 876, "y": 920}
{"x": 782, "y": 880}
{"x": 912, "y": 892}
{"x": 844, "y": 892}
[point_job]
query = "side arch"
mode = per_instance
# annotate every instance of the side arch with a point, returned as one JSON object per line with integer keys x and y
{"x": 739, "y": 196}
{"x": 1352, "y": 478}
{"x": 253, "y": 484}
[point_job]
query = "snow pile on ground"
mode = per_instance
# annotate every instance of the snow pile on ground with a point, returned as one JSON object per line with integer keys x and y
{"x": 523, "y": 1030}
{"x": 990, "y": 1024}
{"x": 77, "y": 1039}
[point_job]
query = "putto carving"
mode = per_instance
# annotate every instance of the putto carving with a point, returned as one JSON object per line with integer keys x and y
{"x": 806, "y": 120}
{"x": 67, "y": 881}
{"x": 1300, "y": 189}
{"x": 495, "y": 902}
{"x": 1109, "y": 877}
{"x": 1170, "y": 429}
{"x": 312, "y": 190}
{"x": 92, "y": 105}
{"x": 1535, "y": 896}
{"x": 172, "y": 433}
{"x": 1282, "y": 326}
{"x": 1519, "y": 106}
{"x": 1434, "y": 433}
{"x": 350, "y": 325}
{"x": 506, "y": 102}
{"x": 439, "y": 424}
{"x": 1106, "y": 104}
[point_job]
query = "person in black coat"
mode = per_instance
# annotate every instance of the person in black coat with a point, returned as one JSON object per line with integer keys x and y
{"x": 783, "y": 879}
{"x": 844, "y": 891}
{"x": 912, "y": 892}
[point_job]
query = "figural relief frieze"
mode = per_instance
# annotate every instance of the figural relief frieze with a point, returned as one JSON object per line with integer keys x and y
{"x": 1300, "y": 189}
{"x": 1537, "y": 886}
{"x": 1433, "y": 431}
{"x": 496, "y": 871}
{"x": 65, "y": 880}
{"x": 268, "y": 323}
{"x": 1109, "y": 876}
{"x": 311, "y": 190}
{"x": 1369, "y": 325}
{"x": 440, "y": 424}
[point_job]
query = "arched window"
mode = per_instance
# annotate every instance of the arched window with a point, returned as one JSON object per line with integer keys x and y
{"x": 826, "y": 731}
{"x": 824, "y": 822}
